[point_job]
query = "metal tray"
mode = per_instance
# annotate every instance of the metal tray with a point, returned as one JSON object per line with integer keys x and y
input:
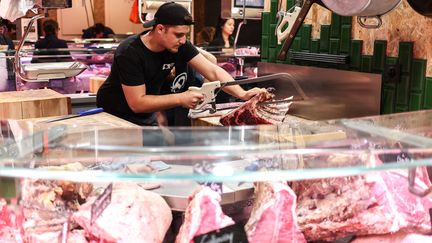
{"x": 177, "y": 194}
{"x": 52, "y": 70}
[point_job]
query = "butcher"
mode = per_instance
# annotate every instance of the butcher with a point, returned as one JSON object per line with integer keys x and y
{"x": 142, "y": 62}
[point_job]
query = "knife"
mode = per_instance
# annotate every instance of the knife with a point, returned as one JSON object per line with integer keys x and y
{"x": 81, "y": 113}
{"x": 211, "y": 89}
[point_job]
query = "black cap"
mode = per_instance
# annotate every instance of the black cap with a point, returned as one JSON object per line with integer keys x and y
{"x": 170, "y": 13}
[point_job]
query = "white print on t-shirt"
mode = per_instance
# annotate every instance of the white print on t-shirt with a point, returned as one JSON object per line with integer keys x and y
{"x": 167, "y": 66}
{"x": 178, "y": 82}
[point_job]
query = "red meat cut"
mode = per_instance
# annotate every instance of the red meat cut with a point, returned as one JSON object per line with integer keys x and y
{"x": 203, "y": 215}
{"x": 254, "y": 113}
{"x": 394, "y": 238}
{"x": 134, "y": 215}
{"x": 273, "y": 218}
{"x": 375, "y": 203}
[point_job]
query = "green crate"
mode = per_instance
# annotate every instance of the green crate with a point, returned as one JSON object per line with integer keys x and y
{"x": 306, "y": 32}
{"x": 427, "y": 103}
{"x": 273, "y": 10}
{"x": 387, "y": 101}
{"x": 272, "y": 54}
{"x": 334, "y": 46}
{"x": 418, "y": 75}
{"x": 265, "y": 19}
{"x": 379, "y": 56}
{"x": 406, "y": 55}
{"x": 264, "y": 46}
{"x": 335, "y": 27}
{"x": 402, "y": 90}
{"x": 325, "y": 39}
{"x": 272, "y": 36}
{"x": 415, "y": 101}
{"x": 390, "y": 61}
{"x": 314, "y": 45}
{"x": 345, "y": 39}
{"x": 366, "y": 64}
{"x": 356, "y": 54}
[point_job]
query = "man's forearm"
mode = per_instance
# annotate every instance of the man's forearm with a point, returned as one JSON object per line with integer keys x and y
{"x": 153, "y": 103}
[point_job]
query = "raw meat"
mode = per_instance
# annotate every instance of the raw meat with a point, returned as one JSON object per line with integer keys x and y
{"x": 253, "y": 113}
{"x": 134, "y": 215}
{"x": 10, "y": 224}
{"x": 77, "y": 236}
{"x": 203, "y": 214}
{"x": 273, "y": 218}
{"x": 394, "y": 238}
{"x": 247, "y": 51}
{"x": 47, "y": 205}
{"x": 376, "y": 203}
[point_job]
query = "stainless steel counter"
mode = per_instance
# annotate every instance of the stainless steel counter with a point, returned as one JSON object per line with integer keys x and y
{"x": 331, "y": 93}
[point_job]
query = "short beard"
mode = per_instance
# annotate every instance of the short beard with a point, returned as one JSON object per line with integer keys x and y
{"x": 173, "y": 50}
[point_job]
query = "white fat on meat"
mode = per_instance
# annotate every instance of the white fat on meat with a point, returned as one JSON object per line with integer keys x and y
{"x": 371, "y": 204}
{"x": 273, "y": 218}
{"x": 203, "y": 215}
{"x": 394, "y": 238}
{"x": 134, "y": 215}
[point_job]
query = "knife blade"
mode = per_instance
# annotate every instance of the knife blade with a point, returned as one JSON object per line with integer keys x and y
{"x": 81, "y": 113}
{"x": 211, "y": 89}
{"x": 210, "y": 110}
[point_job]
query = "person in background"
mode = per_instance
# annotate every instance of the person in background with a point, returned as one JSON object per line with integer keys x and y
{"x": 133, "y": 91}
{"x": 205, "y": 36}
{"x": 4, "y": 38}
{"x": 7, "y": 81}
{"x": 99, "y": 30}
{"x": 223, "y": 36}
{"x": 51, "y": 41}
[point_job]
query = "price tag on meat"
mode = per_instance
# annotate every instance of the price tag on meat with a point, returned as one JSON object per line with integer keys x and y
{"x": 230, "y": 234}
{"x": 204, "y": 168}
{"x": 101, "y": 203}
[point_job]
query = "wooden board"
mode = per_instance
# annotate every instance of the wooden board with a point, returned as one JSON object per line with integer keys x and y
{"x": 95, "y": 83}
{"x": 206, "y": 122}
{"x": 33, "y": 104}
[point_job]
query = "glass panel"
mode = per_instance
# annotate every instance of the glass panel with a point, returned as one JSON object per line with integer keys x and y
{"x": 292, "y": 151}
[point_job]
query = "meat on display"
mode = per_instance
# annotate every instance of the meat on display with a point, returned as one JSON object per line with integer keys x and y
{"x": 134, "y": 215}
{"x": 273, "y": 217}
{"x": 399, "y": 237}
{"x": 203, "y": 215}
{"x": 376, "y": 203}
{"x": 254, "y": 112}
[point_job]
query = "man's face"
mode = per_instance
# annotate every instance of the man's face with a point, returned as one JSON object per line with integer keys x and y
{"x": 173, "y": 36}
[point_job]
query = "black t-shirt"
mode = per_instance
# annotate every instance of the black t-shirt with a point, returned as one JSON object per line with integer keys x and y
{"x": 134, "y": 64}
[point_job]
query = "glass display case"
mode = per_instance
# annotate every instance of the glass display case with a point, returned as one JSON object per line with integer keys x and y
{"x": 92, "y": 59}
{"x": 332, "y": 180}
{"x": 82, "y": 60}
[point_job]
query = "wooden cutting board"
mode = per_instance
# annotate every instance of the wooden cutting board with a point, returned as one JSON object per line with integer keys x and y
{"x": 95, "y": 83}
{"x": 33, "y": 103}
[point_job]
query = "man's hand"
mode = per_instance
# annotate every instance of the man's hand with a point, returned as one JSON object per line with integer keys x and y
{"x": 247, "y": 95}
{"x": 190, "y": 99}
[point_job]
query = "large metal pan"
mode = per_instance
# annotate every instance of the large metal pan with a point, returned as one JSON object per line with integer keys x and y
{"x": 362, "y": 8}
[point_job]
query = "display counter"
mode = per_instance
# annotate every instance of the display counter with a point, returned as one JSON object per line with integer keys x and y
{"x": 331, "y": 180}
